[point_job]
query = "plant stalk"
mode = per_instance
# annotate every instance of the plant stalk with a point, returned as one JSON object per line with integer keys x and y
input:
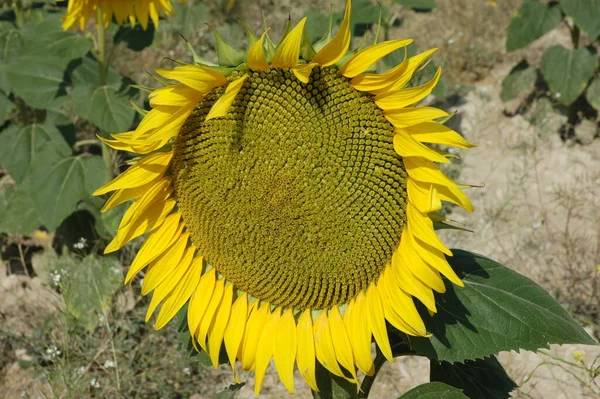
{"x": 17, "y": 7}
{"x": 102, "y": 69}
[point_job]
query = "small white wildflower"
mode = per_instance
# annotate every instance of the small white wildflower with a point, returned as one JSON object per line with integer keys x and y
{"x": 94, "y": 383}
{"x": 52, "y": 351}
{"x": 81, "y": 243}
{"x": 557, "y": 95}
{"x": 451, "y": 42}
{"x": 109, "y": 364}
{"x": 187, "y": 371}
{"x": 80, "y": 370}
{"x": 537, "y": 224}
{"x": 56, "y": 277}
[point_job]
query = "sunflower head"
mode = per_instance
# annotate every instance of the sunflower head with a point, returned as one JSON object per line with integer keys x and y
{"x": 290, "y": 199}
{"x": 123, "y": 11}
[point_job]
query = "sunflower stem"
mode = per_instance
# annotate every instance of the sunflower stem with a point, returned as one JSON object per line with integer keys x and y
{"x": 369, "y": 380}
{"x": 102, "y": 68}
{"x": 17, "y": 7}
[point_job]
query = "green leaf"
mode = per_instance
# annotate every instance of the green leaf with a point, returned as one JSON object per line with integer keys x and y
{"x": 585, "y": 13}
{"x": 521, "y": 79}
{"x": 6, "y": 108}
{"x": 434, "y": 390}
{"x": 104, "y": 107}
{"x": 533, "y": 20}
{"x": 364, "y": 12}
{"x": 567, "y": 72}
{"x": 316, "y": 24}
{"x": 136, "y": 38}
{"x": 89, "y": 284}
{"x": 56, "y": 187}
{"x": 48, "y": 39}
{"x": 187, "y": 18}
{"x": 36, "y": 79}
{"x": 593, "y": 93}
{"x": 87, "y": 73}
{"x": 17, "y": 210}
{"x": 421, "y": 5}
{"x": 497, "y": 310}
{"x": 11, "y": 44}
{"x": 332, "y": 386}
{"x": 230, "y": 392}
{"x": 482, "y": 378}
{"x": 21, "y": 145}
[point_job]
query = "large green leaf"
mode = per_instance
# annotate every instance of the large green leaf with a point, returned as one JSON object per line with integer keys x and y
{"x": 187, "y": 18}
{"x": 89, "y": 284}
{"x": 533, "y": 20}
{"x": 87, "y": 73}
{"x": 364, "y": 12}
{"x": 521, "y": 79}
{"x": 332, "y": 386}
{"x": 47, "y": 38}
{"x": 567, "y": 72}
{"x": 481, "y": 378}
{"x": 497, "y": 310}
{"x": 593, "y": 93}
{"x": 36, "y": 78}
{"x": 316, "y": 24}
{"x": 57, "y": 187}
{"x": 434, "y": 390}
{"x": 18, "y": 213}
{"x": 104, "y": 107}
{"x": 21, "y": 145}
{"x": 6, "y": 108}
{"x": 585, "y": 13}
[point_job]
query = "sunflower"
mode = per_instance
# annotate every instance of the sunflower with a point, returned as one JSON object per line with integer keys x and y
{"x": 123, "y": 11}
{"x": 290, "y": 198}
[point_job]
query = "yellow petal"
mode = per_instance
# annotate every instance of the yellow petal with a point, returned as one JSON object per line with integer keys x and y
{"x": 338, "y": 46}
{"x": 413, "y": 64}
{"x": 426, "y": 171}
{"x": 367, "y": 57}
{"x": 173, "y": 96}
{"x": 199, "y": 301}
{"x": 436, "y": 133}
{"x": 423, "y": 196}
{"x": 235, "y": 330}
{"x": 376, "y": 321}
{"x": 305, "y": 356}
{"x": 256, "y": 59}
{"x": 289, "y": 49}
{"x": 164, "y": 264}
{"x": 148, "y": 169}
{"x": 124, "y": 195}
{"x": 217, "y": 329}
{"x": 284, "y": 349}
{"x": 209, "y": 314}
{"x": 359, "y": 334}
{"x": 180, "y": 294}
{"x": 302, "y": 71}
{"x": 167, "y": 129}
{"x": 436, "y": 259}
{"x": 200, "y": 78}
{"x": 171, "y": 281}
{"x": 157, "y": 243}
{"x": 341, "y": 341}
{"x": 418, "y": 267}
{"x": 116, "y": 144}
{"x": 404, "y": 97}
{"x": 402, "y": 305}
{"x": 324, "y": 345}
{"x": 409, "y": 283}
{"x": 153, "y": 218}
{"x": 421, "y": 226}
{"x": 404, "y": 117}
{"x": 264, "y": 350}
{"x": 158, "y": 191}
{"x": 256, "y": 323}
{"x": 373, "y": 82}
{"x": 406, "y": 146}
{"x": 222, "y": 105}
